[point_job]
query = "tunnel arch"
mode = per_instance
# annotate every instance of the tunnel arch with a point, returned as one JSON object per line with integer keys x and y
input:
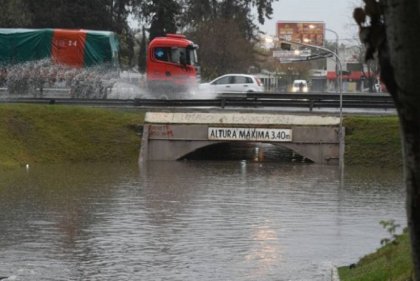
{"x": 176, "y": 150}
{"x": 254, "y": 151}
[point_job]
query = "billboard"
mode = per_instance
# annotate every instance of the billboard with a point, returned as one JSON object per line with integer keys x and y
{"x": 305, "y": 32}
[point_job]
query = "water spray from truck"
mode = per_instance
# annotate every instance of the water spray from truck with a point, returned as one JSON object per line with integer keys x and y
{"x": 86, "y": 63}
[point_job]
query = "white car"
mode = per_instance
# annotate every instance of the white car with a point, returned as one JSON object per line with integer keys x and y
{"x": 233, "y": 83}
{"x": 300, "y": 86}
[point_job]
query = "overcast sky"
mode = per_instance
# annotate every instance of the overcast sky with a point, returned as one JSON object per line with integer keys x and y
{"x": 337, "y": 15}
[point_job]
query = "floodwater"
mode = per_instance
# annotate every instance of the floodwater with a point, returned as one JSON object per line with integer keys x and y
{"x": 192, "y": 220}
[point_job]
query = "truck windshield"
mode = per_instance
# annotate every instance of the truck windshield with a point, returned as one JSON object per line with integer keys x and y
{"x": 175, "y": 55}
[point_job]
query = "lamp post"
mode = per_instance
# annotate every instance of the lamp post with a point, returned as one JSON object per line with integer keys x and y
{"x": 340, "y": 84}
{"x": 311, "y": 26}
{"x": 336, "y": 51}
{"x": 340, "y": 81}
{"x": 336, "y": 39}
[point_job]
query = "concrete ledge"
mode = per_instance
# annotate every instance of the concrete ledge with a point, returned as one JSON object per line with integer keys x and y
{"x": 240, "y": 118}
{"x": 301, "y": 134}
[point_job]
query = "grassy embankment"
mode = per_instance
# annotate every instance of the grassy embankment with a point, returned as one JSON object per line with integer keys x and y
{"x": 373, "y": 140}
{"x": 391, "y": 262}
{"x": 53, "y": 134}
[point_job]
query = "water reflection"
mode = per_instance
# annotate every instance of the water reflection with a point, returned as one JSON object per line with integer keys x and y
{"x": 191, "y": 220}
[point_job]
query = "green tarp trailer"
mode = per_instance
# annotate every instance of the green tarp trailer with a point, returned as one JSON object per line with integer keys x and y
{"x": 72, "y": 47}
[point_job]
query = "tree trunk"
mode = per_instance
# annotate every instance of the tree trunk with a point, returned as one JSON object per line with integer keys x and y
{"x": 402, "y": 19}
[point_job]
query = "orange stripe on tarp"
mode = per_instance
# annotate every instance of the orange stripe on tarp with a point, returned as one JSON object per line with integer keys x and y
{"x": 68, "y": 47}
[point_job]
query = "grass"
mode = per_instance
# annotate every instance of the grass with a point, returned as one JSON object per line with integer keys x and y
{"x": 50, "y": 134}
{"x": 391, "y": 262}
{"x": 373, "y": 141}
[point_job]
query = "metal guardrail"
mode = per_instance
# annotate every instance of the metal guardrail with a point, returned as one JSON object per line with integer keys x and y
{"x": 70, "y": 101}
{"x": 301, "y": 100}
{"x": 307, "y": 100}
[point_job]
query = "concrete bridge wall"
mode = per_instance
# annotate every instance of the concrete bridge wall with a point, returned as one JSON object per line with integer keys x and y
{"x": 170, "y": 136}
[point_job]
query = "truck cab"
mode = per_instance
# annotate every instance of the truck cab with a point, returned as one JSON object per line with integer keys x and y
{"x": 172, "y": 65}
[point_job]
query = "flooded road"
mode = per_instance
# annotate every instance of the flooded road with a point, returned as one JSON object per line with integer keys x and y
{"x": 192, "y": 220}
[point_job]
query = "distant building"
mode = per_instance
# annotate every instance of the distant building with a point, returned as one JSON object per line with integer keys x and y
{"x": 324, "y": 75}
{"x": 355, "y": 73}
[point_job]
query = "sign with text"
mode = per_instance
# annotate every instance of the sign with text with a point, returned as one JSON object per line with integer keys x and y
{"x": 312, "y": 33}
{"x": 250, "y": 134}
{"x": 283, "y": 55}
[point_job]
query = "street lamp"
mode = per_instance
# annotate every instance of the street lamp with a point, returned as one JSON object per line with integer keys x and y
{"x": 312, "y": 26}
{"x": 340, "y": 83}
{"x": 336, "y": 51}
{"x": 336, "y": 39}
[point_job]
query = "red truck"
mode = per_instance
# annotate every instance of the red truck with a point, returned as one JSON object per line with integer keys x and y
{"x": 172, "y": 65}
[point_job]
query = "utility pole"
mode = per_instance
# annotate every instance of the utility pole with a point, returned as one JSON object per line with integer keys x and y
{"x": 336, "y": 51}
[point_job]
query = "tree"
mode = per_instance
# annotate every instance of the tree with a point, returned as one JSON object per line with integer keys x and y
{"x": 392, "y": 33}
{"x": 120, "y": 10}
{"x": 15, "y": 14}
{"x": 226, "y": 31}
{"x": 200, "y": 11}
{"x": 142, "y": 52}
{"x": 372, "y": 73}
{"x": 126, "y": 52}
{"x": 93, "y": 14}
{"x": 161, "y": 15}
{"x": 225, "y": 49}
